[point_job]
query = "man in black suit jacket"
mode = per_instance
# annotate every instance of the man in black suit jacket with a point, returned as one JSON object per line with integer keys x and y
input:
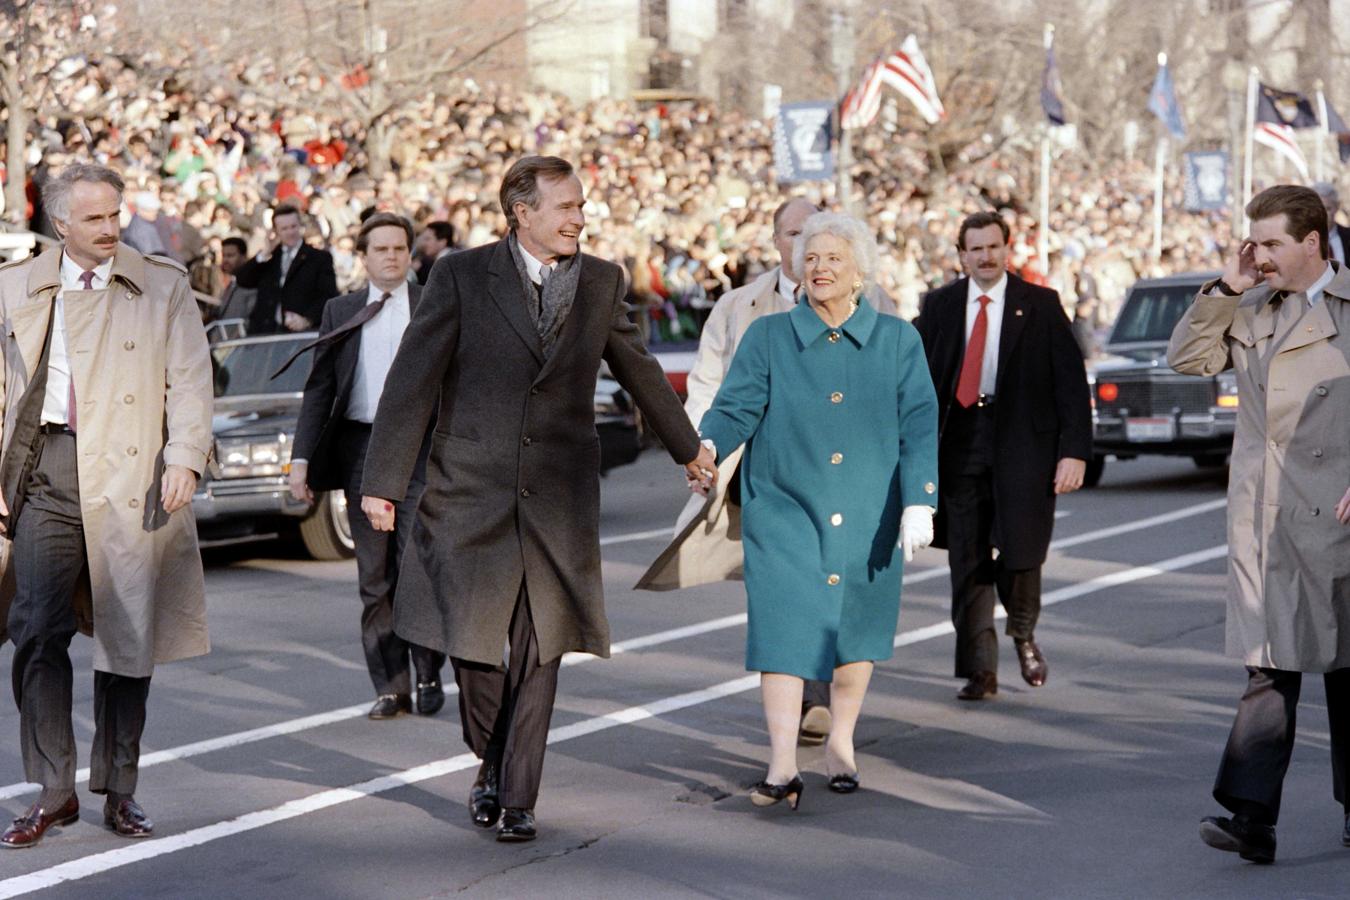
{"x": 1338, "y": 236}
{"x": 293, "y": 279}
{"x": 509, "y": 338}
{"x": 1015, "y": 431}
{"x": 360, "y": 335}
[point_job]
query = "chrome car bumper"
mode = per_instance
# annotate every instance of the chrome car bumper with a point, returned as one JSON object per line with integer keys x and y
{"x": 232, "y": 498}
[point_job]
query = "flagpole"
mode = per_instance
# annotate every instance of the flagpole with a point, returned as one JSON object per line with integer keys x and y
{"x": 1252, "y": 82}
{"x": 1043, "y": 233}
{"x": 1159, "y": 163}
{"x": 1322, "y": 133}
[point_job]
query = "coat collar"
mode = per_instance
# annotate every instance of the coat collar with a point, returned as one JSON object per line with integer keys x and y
{"x": 128, "y": 266}
{"x": 509, "y": 295}
{"x": 810, "y": 327}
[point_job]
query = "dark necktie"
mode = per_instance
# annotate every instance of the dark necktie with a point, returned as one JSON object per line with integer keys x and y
{"x": 968, "y": 384}
{"x": 368, "y": 312}
{"x": 86, "y": 279}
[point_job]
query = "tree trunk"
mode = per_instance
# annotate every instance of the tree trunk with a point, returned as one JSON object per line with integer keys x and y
{"x": 377, "y": 147}
{"x": 16, "y": 138}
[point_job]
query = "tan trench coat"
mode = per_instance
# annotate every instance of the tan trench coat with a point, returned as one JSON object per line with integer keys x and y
{"x": 142, "y": 374}
{"x": 1289, "y": 559}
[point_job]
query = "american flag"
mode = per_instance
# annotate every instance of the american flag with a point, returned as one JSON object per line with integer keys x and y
{"x": 1280, "y": 138}
{"x": 906, "y": 71}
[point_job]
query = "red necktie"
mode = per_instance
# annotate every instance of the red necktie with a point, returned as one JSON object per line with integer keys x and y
{"x": 87, "y": 279}
{"x": 968, "y": 384}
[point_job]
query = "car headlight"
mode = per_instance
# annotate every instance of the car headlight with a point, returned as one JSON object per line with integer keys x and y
{"x": 1227, "y": 389}
{"x": 245, "y": 458}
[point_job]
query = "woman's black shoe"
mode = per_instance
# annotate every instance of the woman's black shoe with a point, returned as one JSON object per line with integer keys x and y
{"x": 765, "y": 794}
{"x": 844, "y": 783}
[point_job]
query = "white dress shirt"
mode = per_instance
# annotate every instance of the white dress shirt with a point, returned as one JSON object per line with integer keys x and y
{"x": 379, "y": 342}
{"x": 994, "y": 316}
{"x": 56, "y": 400}
{"x": 533, "y": 267}
{"x": 1315, "y": 290}
{"x": 787, "y": 288}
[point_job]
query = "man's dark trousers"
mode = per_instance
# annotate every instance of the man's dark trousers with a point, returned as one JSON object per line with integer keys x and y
{"x": 48, "y": 556}
{"x": 505, "y": 710}
{"x": 968, "y": 496}
{"x": 378, "y": 554}
{"x": 1251, "y": 774}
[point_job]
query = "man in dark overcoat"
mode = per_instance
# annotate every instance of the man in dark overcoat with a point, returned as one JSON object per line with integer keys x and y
{"x": 510, "y": 337}
{"x": 1015, "y": 432}
{"x": 293, "y": 279}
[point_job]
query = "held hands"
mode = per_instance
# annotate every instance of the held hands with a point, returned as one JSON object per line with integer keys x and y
{"x": 1069, "y": 474}
{"x": 380, "y": 512}
{"x": 176, "y": 487}
{"x": 701, "y": 474}
{"x": 1342, "y": 508}
{"x": 1242, "y": 272}
{"x": 295, "y": 322}
{"x": 916, "y": 529}
{"x": 297, "y": 482}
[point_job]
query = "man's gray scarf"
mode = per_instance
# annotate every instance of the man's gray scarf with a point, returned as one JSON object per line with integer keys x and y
{"x": 555, "y": 300}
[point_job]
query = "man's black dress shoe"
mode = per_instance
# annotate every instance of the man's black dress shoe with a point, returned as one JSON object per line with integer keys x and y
{"x": 484, "y": 807}
{"x": 127, "y": 818}
{"x": 430, "y": 697}
{"x": 27, "y": 830}
{"x": 1345, "y": 835}
{"x": 387, "y": 706}
{"x": 1029, "y": 656}
{"x": 516, "y": 825}
{"x": 1254, "y": 843}
{"x": 980, "y": 685}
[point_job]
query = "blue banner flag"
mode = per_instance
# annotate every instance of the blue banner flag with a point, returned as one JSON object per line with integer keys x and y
{"x": 1336, "y": 125}
{"x": 1206, "y": 183}
{"x": 1052, "y": 92}
{"x": 801, "y": 141}
{"x": 1162, "y": 102}
{"x": 1284, "y": 108}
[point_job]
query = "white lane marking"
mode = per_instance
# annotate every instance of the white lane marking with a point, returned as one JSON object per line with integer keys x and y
{"x": 667, "y": 533}
{"x": 293, "y": 726}
{"x": 112, "y": 859}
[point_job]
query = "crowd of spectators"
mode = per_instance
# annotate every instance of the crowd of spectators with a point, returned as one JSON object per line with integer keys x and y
{"x": 682, "y": 194}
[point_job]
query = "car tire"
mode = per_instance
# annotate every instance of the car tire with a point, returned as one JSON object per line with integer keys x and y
{"x": 1093, "y": 473}
{"x": 1210, "y": 460}
{"x": 326, "y": 532}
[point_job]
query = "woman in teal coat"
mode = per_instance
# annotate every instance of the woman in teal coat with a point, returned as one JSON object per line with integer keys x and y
{"x": 838, "y": 414}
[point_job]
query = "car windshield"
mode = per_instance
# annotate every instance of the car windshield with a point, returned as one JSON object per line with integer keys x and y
{"x": 245, "y": 369}
{"x": 1150, "y": 313}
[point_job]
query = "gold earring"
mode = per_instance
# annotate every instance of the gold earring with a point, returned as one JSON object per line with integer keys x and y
{"x": 857, "y": 285}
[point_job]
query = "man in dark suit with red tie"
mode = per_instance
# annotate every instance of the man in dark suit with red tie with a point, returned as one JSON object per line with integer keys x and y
{"x": 1015, "y": 432}
{"x": 293, "y": 279}
{"x": 360, "y": 334}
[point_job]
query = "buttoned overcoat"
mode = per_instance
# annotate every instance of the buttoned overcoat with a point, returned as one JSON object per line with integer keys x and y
{"x": 840, "y": 433}
{"x": 512, "y": 490}
{"x": 142, "y": 377}
{"x": 1288, "y": 557}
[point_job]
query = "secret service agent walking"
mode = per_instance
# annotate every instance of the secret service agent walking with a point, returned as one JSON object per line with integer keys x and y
{"x": 107, "y": 423}
{"x": 1280, "y": 319}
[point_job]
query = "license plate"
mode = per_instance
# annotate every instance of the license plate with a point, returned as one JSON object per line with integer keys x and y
{"x": 1160, "y": 429}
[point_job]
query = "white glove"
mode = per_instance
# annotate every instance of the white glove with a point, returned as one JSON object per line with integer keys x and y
{"x": 916, "y": 529}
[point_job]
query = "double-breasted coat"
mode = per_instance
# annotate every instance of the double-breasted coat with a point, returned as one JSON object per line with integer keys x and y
{"x": 840, "y": 433}
{"x": 512, "y": 488}
{"x": 1042, "y": 412}
{"x": 1288, "y": 557}
{"x": 142, "y": 376}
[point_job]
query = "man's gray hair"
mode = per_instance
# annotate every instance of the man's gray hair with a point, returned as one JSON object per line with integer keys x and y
{"x": 56, "y": 193}
{"x": 858, "y": 236}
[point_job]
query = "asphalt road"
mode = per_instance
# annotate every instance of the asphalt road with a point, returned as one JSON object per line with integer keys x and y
{"x": 266, "y": 780}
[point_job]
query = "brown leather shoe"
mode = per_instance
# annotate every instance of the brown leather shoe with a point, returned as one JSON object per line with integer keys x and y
{"x": 390, "y": 706}
{"x": 127, "y": 819}
{"x": 980, "y": 685}
{"x": 1032, "y": 661}
{"x": 28, "y": 829}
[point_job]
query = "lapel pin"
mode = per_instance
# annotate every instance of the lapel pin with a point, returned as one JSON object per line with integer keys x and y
{"x": 1017, "y": 312}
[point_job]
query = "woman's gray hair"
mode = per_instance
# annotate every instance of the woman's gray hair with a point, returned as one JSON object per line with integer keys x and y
{"x": 858, "y": 236}
{"x": 56, "y": 193}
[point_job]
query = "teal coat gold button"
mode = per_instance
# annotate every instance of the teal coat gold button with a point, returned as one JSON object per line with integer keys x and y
{"x": 840, "y": 436}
